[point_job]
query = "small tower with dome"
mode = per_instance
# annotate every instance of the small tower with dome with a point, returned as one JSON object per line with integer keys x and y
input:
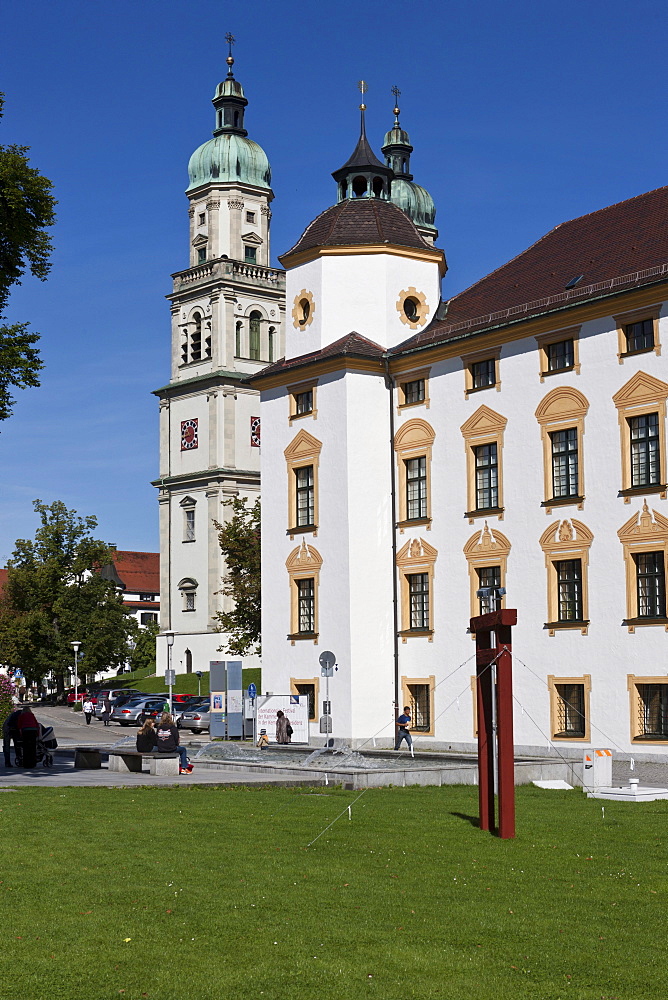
{"x": 414, "y": 200}
{"x": 227, "y": 310}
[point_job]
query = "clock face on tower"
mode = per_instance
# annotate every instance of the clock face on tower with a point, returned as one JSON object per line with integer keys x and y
{"x": 189, "y": 434}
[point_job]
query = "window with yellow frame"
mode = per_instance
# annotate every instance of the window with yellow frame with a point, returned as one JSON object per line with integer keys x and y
{"x": 569, "y": 707}
{"x": 566, "y": 545}
{"x": 302, "y": 458}
{"x": 638, "y": 332}
{"x": 415, "y": 562}
{"x": 413, "y": 447}
{"x": 644, "y": 538}
{"x": 303, "y": 566}
{"x": 641, "y": 410}
{"x": 561, "y": 415}
{"x": 648, "y": 704}
{"x": 483, "y": 443}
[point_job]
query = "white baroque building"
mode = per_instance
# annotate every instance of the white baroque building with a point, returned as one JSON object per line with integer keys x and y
{"x": 227, "y": 324}
{"x": 419, "y": 449}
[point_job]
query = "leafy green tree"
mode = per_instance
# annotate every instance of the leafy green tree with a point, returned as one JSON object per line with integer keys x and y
{"x": 55, "y": 594}
{"x": 143, "y": 655}
{"x": 240, "y": 543}
{"x": 26, "y": 210}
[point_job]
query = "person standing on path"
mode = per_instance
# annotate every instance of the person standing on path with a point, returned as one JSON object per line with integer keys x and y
{"x": 106, "y": 711}
{"x": 10, "y": 732}
{"x": 403, "y": 725}
{"x": 168, "y": 740}
{"x": 88, "y": 709}
{"x": 283, "y": 728}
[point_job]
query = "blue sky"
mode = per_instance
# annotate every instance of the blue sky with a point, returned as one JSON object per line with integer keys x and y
{"x": 523, "y": 114}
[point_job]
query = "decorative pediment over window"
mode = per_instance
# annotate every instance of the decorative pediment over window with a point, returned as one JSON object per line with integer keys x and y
{"x": 486, "y": 542}
{"x": 252, "y": 239}
{"x": 483, "y": 422}
{"x": 561, "y": 536}
{"x": 641, "y": 527}
{"x": 187, "y": 584}
{"x": 303, "y": 446}
{"x": 414, "y": 434}
{"x": 188, "y": 502}
{"x": 416, "y": 553}
{"x": 641, "y": 390}
{"x": 304, "y": 558}
{"x": 200, "y": 241}
{"x": 564, "y": 403}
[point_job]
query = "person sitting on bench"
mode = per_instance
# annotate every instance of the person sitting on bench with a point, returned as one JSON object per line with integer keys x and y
{"x": 167, "y": 740}
{"x": 146, "y": 737}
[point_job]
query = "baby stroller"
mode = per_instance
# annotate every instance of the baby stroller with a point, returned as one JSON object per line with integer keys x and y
{"x": 46, "y": 744}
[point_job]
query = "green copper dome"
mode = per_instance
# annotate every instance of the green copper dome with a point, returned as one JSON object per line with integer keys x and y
{"x": 397, "y": 136}
{"x": 229, "y": 157}
{"x": 417, "y": 203}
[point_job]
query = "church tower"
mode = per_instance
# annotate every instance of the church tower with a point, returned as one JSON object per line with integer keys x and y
{"x": 227, "y": 323}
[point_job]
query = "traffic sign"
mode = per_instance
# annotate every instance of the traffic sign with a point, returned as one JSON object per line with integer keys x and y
{"x": 252, "y": 691}
{"x": 170, "y": 677}
{"x": 327, "y": 659}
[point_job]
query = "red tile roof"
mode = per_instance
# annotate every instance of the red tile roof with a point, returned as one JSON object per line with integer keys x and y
{"x": 139, "y": 571}
{"x": 360, "y": 222}
{"x": 351, "y": 345}
{"x": 619, "y": 242}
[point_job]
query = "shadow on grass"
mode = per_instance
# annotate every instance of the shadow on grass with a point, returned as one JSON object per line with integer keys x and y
{"x": 473, "y": 820}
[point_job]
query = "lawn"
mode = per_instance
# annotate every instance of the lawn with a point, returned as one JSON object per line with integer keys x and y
{"x": 212, "y": 893}
{"x": 185, "y": 683}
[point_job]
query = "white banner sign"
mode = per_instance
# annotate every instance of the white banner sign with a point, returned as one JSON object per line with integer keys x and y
{"x": 295, "y": 706}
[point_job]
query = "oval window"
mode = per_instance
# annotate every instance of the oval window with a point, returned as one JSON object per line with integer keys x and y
{"x": 411, "y": 309}
{"x": 305, "y": 307}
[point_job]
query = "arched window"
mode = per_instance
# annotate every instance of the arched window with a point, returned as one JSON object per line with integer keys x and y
{"x": 189, "y": 662}
{"x": 207, "y": 340}
{"x": 378, "y": 187}
{"x": 254, "y": 335}
{"x": 237, "y": 340}
{"x": 272, "y": 344}
{"x": 236, "y": 119}
{"x": 360, "y": 187}
{"x": 196, "y": 338}
{"x": 344, "y": 191}
{"x": 188, "y": 588}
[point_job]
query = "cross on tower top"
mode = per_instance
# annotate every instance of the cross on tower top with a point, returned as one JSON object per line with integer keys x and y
{"x": 230, "y": 39}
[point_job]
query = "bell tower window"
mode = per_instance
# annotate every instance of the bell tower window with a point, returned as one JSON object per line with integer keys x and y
{"x": 237, "y": 339}
{"x": 255, "y": 319}
{"x": 378, "y": 187}
{"x": 196, "y": 339}
{"x": 271, "y": 343}
{"x": 360, "y": 187}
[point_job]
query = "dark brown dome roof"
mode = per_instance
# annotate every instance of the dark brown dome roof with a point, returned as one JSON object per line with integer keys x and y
{"x": 360, "y": 222}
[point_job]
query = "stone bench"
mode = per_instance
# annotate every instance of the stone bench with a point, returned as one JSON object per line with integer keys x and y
{"x": 132, "y": 760}
{"x": 88, "y": 757}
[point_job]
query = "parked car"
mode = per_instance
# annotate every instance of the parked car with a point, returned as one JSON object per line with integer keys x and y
{"x": 136, "y": 710}
{"x": 114, "y": 694}
{"x": 81, "y": 696}
{"x": 196, "y": 719}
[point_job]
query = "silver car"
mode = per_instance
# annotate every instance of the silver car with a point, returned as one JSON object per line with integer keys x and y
{"x": 196, "y": 718}
{"x": 136, "y": 711}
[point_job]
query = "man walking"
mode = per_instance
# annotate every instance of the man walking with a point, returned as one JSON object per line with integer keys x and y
{"x": 403, "y": 725}
{"x": 88, "y": 709}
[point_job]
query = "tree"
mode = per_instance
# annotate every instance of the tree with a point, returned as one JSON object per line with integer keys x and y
{"x": 143, "y": 655}
{"x": 240, "y": 544}
{"x": 26, "y": 210}
{"x": 55, "y": 594}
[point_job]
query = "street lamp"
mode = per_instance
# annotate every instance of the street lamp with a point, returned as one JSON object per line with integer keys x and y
{"x": 170, "y": 642}
{"x": 76, "y": 646}
{"x": 198, "y": 674}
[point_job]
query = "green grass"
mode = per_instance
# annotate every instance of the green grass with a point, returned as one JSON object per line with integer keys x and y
{"x": 185, "y": 683}
{"x": 219, "y": 896}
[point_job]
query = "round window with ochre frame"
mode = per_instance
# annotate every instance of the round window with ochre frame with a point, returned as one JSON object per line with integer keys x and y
{"x": 412, "y": 307}
{"x": 303, "y": 309}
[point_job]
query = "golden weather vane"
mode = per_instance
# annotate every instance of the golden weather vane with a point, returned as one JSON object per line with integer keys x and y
{"x": 362, "y": 87}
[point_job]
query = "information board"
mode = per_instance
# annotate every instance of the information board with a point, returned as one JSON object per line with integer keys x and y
{"x": 295, "y": 706}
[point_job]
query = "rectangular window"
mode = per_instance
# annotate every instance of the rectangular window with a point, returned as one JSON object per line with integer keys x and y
{"x": 414, "y": 392}
{"x": 564, "y": 463}
{"x": 650, "y": 584}
{"x": 202, "y": 218}
{"x": 416, "y": 488}
{"x": 569, "y": 583}
{"x": 570, "y": 711}
{"x": 644, "y": 431}
{"x": 305, "y": 497}
{"x": 306, "y": 605}
{"x": 419, "y": 697}
{"x": 560, "y": 355}
{"x": 250, "y": 254}
{"x": 486, "y": 476}
{"x": 201, "y": 255}
{"x": 652, "y": 722}
{"x": 147, "y": 616}
{"x": 489, "y": 576}
{"x": 418, "y": 594}
{"x": 639, "y": 336}
{"x": 250, "y": 216}
{"x": 189, "y": 526}
{"x": 483, "y": 373}
{"x": 304, "y": 402}
{"x": 147, "y": 597}
{"x": 307, "y": 691}
{"x": 189, "y": 600}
